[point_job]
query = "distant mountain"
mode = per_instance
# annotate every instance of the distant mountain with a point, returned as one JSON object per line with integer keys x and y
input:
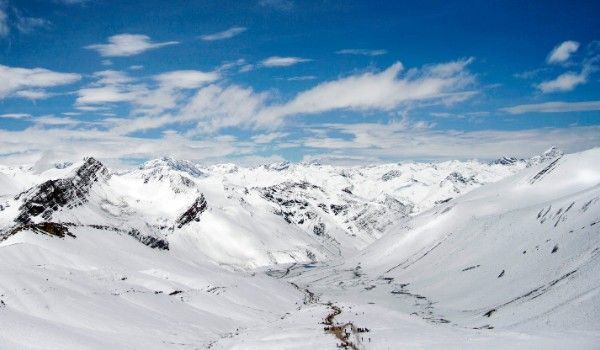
{"x": 283, "y": 212}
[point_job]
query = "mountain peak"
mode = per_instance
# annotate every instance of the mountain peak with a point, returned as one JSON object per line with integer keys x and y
{"x": 548, "y": 155}
{"x": 174, "y": 164}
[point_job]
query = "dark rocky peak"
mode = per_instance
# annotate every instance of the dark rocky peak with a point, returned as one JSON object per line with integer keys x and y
{"x": 193, "y": 212}
{"x": 458, "y": 178}
{"x": 90, "y": 171}
{"x": 45, "y": 199}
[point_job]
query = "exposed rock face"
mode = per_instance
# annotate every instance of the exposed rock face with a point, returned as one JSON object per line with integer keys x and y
{"x": 292, "y": 198}
{"x": 310, "y": 206}
{"x": 458, "y": 178}
{"x": 46, "y": 228}
{"x": 150, "y": 241}
{"x": 193, "y": 213}
{"x": 50, "y": 196}
{"x": 392, "y": 174}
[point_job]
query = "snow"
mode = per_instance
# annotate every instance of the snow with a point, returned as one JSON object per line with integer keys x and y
{"x": 423, "y": 255}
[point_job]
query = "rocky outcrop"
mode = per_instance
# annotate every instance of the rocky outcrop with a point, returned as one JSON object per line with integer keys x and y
{"x": 193, "y": 213}
{"x": 45, "y": 199}
{"x": 150, "y": 241}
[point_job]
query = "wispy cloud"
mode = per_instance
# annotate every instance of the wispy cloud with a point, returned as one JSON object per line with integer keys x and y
{"x": 302, "y": 78}
{"x": 33, "y": 94}
{"x": 15, "y": 115}
{"x": 269, "y": 137}
{"x": 127, "y": 45}
{"x": 554, "y": 107}
{"x": 380, "y": 91}
{"x": 4, "y": 28}
{"x": 50, "y": 120}
{"x": 217, "y": 106}
{"x": 112, "y": 87}
{"x": 22, "y": 79}
{"x": 226, "y": 34}
{"x": 11, "y": 17}
{"x": 185, "y": 79}
{"x": 278, "y": 61}
{"x": 562, "y": 52}
{"x": 29, "y": 24}
{"x": 564, "y": 82}
{"x": 361, "y": 52}
{"x": 405, "y": 140}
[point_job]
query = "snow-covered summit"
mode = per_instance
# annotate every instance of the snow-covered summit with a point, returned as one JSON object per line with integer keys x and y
{"x": 549, "y": 155}
{"x": 169, "y": 163}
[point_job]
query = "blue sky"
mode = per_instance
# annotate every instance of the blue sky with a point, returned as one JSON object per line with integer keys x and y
{"x": 270, "y": 80}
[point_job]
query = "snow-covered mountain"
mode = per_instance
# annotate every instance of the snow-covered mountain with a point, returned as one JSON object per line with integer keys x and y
{"x": 246, "y": 217}
{"x": 423, "y": 255}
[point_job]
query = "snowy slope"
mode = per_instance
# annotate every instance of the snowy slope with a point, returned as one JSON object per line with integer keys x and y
{"x": 104, "y": 290}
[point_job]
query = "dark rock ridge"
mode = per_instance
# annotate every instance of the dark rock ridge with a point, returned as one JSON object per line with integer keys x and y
{"x": 390, "y": 175}
{"x": 193, "y": 213}
{"x": 47, "y": 228}
{"x": 45, "y": 199}
{"x": 505, "y": 161}
{"x": 150, "y": 241}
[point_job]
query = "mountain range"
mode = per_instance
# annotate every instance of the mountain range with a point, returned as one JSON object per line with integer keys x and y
{"x": 179, "y": 255}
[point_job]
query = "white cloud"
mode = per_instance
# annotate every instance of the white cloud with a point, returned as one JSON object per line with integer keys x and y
{"x": 562, "y": 52}
{"x": 554, "y": 107}
{"x": 269, "y": 137}
{"x": 118, "y": 87}
{"x": 33, "y": 94}
{"x": 277, "y": 61}
{"x": 226, "y": 34}
{"x": 186, "y": 79}
{"x": 127, "y": 45}
{"x": 50, "y": 120}
{"x": 382, "y": 91}
{"x": 216, "y": 107}
{"x": 564, "y": 82}
{"x": 361, "y": 52}
{"x": 17, "y": 79}
{"x": 66, "y": 143}
{"x": 15, "y": 115}
{"x": 401, "y": 140}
